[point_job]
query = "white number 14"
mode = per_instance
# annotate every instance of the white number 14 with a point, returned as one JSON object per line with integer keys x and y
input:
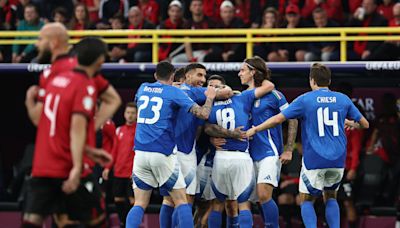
{"x": 323, "y": 119}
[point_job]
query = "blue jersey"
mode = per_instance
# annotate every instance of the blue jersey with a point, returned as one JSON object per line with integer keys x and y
{"x": 322, "y": 113}
{"x": 186, "y": 125}
{"x": 267, "y": 143}
{"x": 233, "y": 113}
{"x": 158, "y": 105}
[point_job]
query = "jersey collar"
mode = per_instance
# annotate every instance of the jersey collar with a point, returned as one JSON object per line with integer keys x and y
{"x": 82, "y": 72}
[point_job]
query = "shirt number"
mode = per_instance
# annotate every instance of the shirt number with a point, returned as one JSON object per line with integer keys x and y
{"x": 226, "y": 118}
{"x": 154, "y": 108}
{"x": 51, "y": 112}
{"x": 323, "y": 119}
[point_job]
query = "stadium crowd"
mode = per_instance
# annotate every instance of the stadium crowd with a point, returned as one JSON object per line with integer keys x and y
{"x": 31, "y": 15}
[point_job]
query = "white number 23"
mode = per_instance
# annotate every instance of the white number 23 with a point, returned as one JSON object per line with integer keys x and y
{"x": 154, "y": 108}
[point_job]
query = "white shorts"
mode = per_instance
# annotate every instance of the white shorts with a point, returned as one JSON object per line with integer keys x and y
{"x": 315, "y": 181}
{"x": 204, "y": 173}
{"x": 232, "y": 176}
{"x": 188, "y": 163}
{"x": 153, "y": 169}
{"x": 267, "y": 171}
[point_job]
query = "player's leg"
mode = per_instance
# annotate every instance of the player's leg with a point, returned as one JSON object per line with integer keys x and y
{"x": 307, "y": 210}
{"x": 267, "y": 179}
{"x": 120, "y": 198}
{"x": 232, "y": 213}
{"x": 215, "y": 217}
{"x": 135, "y": 215}
{"x": 182, "y": 207}
{"x": 166, "y": 212}
{"x": 332, "y": 179}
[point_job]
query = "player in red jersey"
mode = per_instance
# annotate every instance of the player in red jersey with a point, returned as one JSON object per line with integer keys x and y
{"x": 123, "y": 155}
{"x": 69, "y": 108}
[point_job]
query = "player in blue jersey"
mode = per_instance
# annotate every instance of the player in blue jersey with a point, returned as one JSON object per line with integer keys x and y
{"x": 266, "y": 148}
{"x": 155, "y": 163}
{"x": 185, "y": 136}
{"x": 233, "y": 175}
{"x": 323, "y": 116}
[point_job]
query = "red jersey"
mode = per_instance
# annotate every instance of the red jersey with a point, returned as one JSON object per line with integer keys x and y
{"x": 67, "y": 93}
{"x": 108, "y": 131}
{"x": 150, "y": 11}
{"x": 123, "y": 152}
{"x": 354, "y": 146}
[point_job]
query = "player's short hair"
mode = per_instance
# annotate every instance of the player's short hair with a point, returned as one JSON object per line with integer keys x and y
{"x": 193, "y": 66}
{"x": 179, "y": 74}
{"x": 321, "y": 74}
{"x": 257, "y": 64}
{"x": 164, "y": 70}
{"x": 131, "y": 105}
{"x": 217, "y": 77}
{"x": 89, "y": 49}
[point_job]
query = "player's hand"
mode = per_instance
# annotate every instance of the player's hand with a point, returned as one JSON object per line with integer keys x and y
{"x": 105, "y": 174}
{"x": 349, "y": 124}
{"x": 72, "y": 183}
{"x": 286, "y": 157}
{"x": 99, "y": 156}
{"x": 252, "y": 131}
{"x": 351, "y": 175}
{"x": 217, "y": 142}
{"x": 32, "y": 92}
{"x": 177, "y": 84}
{"x": 210, "y": 92}
{"x": 240, "y": 134}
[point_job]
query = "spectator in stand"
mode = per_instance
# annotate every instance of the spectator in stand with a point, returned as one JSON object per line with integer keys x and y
{"x": 325, "y": 51}
{"x": 60, "y": 15}
{"x": 365, "y": 16}
{"x": 390, "y": 49}
{"x": 175, "y": 21}
{"x": 110, "y": 8}
{"x": 80, "y": 20}
{"x": 123, "y": 156}
{"x": 290, "y": 51}
{"x": 269, "y": 21}
{"x": 138, "y": 52}
{"x": 227, "y": 52}
{"x": 243, "y": 11}
{"x": 350, "y": 6}
{"x": 117, "y": 52}
{"x": 48, "y": 6}
{"x": 333, "y": 9}
{"x": 20, "y": 9}
{"x": 7, "y": 15}
{"x": 386, "y": 9}
{"x": 354, "y": 147}
{"x": 93, "y": 8}
{"x": 32, "y": 22}
{"x": 195, "y": 52}
{"x": 150, "y": 10}
{"x": 210, "y": 8}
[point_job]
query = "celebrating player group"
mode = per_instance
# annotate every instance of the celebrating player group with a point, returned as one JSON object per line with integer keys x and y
{"x": 238, "y": 162}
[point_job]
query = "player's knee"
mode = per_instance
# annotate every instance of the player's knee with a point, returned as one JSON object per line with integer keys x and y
{"x": 286, "y": 198}
{"x": 217, "y": 205}
{"x": 231, "y": 208}
{"x": 306, "y": 197}
{"x": 329, "y": 195}
{"x": 264, "y": 192}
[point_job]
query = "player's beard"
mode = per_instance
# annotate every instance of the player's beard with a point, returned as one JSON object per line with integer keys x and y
{"x": 44, "y": 57}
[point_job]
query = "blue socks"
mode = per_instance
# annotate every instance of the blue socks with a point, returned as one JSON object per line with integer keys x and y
{"x": 270, "y": 214}
{"x": 214, "y": 219}
{"x": 245, "y": 219}
{"x": 134, "y": 217}
{"x": 185, "y": 217}
{"x": 232, "y": 222}
{"x": 332, "y": 213}
{"x": 175, "y": 220}
{"x": 166, "y": 216}
{"x": 308, "y": 214}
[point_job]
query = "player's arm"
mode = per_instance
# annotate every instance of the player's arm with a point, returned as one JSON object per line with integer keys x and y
{"x": 265, "y": 88}
{"x": 34, "y": 108}
{"x": 110, "y": 101}
{"x": 98, "y": 155}
{"x": 362, "y": 124}
{"x": 286, "y": 156}
{"x": 269, "y": 123}
{"x": 77, "y": 145}
{"x": 224, "y": 93}
{"x": 203, "y": 112}
{"x": 215, "y": 130}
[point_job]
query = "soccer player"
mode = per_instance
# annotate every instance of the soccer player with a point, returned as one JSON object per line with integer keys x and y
{"x": 69, "y": 108}
{"x": 155, "y": 163}
{"x": 123, "y": 163}
{"x": 233, "y": 174}
{"x": 323, "y": 116}
{"x": 266, "y": 148}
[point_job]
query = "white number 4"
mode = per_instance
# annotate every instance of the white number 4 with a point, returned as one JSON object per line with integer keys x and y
{"x": 323, "y": 119}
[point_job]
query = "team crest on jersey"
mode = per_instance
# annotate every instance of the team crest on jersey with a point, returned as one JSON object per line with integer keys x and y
{"x": 88, "y": 103}
{"x": 90, "y": 90}
{"x": 257, "y": 103}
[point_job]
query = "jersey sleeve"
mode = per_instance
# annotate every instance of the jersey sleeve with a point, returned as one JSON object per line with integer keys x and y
{"x": 101, "y": 84}
{"x": 353, "y": 112}
{"x": 248, "y": 96}
{"x": 282, "y": 102}
{"x": 83, "y": 102}
{"x": 198, "y": 95}
{"x": 42, "y": 87}
{"x": 181, "y": 99}
{"x": 295, "y": 109}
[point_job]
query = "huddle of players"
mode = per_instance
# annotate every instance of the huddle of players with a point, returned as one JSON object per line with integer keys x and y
{"x": 63, "y": 107}
{"x": 167, "y": 126}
